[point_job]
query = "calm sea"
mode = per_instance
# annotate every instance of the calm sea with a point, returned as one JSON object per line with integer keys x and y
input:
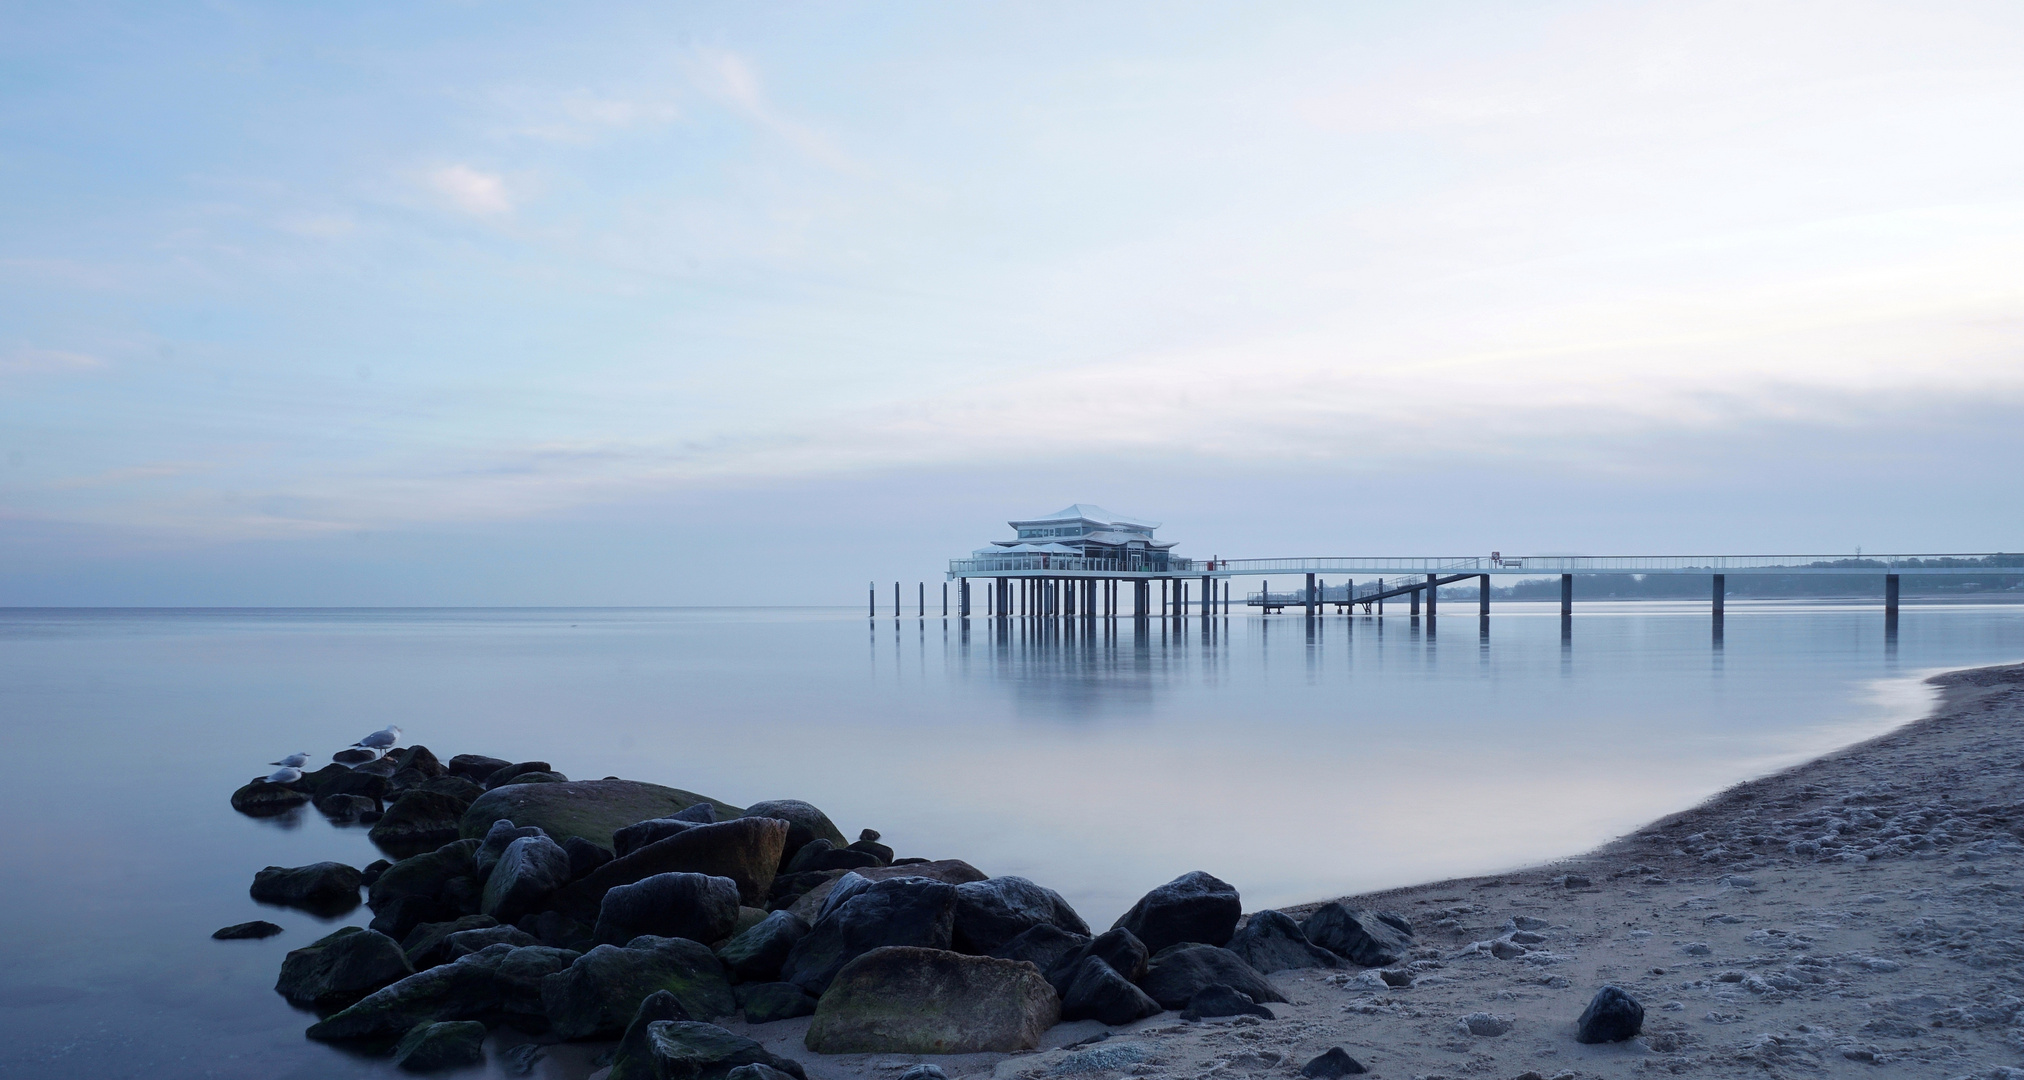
{"x": 1296, "y": 760}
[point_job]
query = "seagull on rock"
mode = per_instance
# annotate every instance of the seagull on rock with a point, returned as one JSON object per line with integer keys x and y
{"x": 284, "y": 776}
{"x": 293, "y": 761}
{"x": 381, "y": 740}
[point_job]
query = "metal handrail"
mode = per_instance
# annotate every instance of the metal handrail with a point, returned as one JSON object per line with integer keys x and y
{"x": 1037, "y": 563}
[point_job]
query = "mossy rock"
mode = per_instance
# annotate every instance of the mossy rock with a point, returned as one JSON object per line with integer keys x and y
{"x": 592, "y": 809}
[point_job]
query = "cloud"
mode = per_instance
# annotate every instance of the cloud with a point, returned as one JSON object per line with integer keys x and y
{"x": 478, "y": 193}
{"x": 28, "y": 360}
{"x": 730, "y": 78}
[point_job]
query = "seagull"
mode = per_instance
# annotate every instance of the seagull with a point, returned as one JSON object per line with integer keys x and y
{"x": 292, "y": 761}
{"x": 381, "y": 740}
{"x": 284, "y": 776}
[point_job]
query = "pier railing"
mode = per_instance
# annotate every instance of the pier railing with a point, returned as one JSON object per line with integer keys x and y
{"x": 1036, "y": 563}
{"x": 1946, "y": 564}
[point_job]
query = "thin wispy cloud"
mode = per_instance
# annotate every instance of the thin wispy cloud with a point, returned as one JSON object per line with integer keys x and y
{"x": 480, "y": 194}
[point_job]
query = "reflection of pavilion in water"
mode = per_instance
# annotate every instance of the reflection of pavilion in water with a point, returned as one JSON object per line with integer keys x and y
{"x": 1085, "y": 667}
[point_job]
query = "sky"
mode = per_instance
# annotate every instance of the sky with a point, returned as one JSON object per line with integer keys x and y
{"x": 518, "y": 303}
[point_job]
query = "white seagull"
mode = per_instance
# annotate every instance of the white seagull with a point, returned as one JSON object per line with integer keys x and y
{"x": 293, "y": 761}
{"x": 284, "y": 776}
{"x": 381, "y": 740}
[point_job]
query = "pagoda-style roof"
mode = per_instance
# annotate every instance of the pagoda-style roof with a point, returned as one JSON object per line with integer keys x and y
{"x": 1095, "y": 515}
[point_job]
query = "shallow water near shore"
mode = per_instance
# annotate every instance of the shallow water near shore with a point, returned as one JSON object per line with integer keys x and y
{"x": 1297, "y": 760}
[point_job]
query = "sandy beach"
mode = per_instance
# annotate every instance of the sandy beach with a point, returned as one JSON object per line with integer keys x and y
{"x": 1858, "y": 915}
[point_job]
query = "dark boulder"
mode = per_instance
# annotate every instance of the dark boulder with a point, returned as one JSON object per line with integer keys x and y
{"x": 475, "y": 767}
{"x": 992, "y": 912}
{"x": 456, "y": 787}
{"x": 428, "y": 944}
{"x": 327, "y": 888}
{"x": 380, "y": 767}
{"x": 1193, "y": 907}
{"x": 818, "y": 855}
{"x": 757, "y": 954}
{"x": 763, "y": 1003}
{"x": 585, "y": 856}
{"x": 746, "y": 850}
{"x": 1176, "y": 972}
{"x": 602, "y": 990}
{"x": 1218, "y": 1000}
{"x": 338, "y": 780}
{"x": 427, "y": 874}
{"x": 702, "y": 813}
{"x": 592, "y": 809}
{"x": 464, "y": 990}
{"x": 1612, "y": 1016}
{"x": 505, "y": 773}
{"x": 262, "y": 799}
{"x": 501, "y": 834}
{"x": 788, "y": 888}
{"x": 354, "y": 755}
{"x": 245, "y": 931}
{"x": 1271, "y": 941}
{"x": 418, "y": 758}
{"x": 641, "y": 833}
{"x": 555, "y": 928}
{"x": 1333, "y": 1066}
{"x": 417, "y": 821}
{"x": 1097, "y": 992}
{"x": 633, "y": 1060}
{"x": 535, "y": 778}
{"x": 1046, "y": 946}
{"x": 342, "y": 968}
{"x": 373, "y": 870}
{"x": 754, "y": 1071}
{"x": 1120, "y": 949}
{"x": 694, "y": 906}
{"x": 530, "y": 871}
{"x": 924, "y": 1072}
{"x": 689, "y": 1050}
{"x": 345, "y": 808}
{"x": 1359, "y": 936}
{"x": 901, "y": 1000}
{"x": 519, "y": 977}
{"x": 446, "y": 1045}
{"x": 804, "y": 823}
{"x": 867, "y": 842}
{"x": 902, "y": 911}
{"x": 953, "y": 871}
{"x": 402, "y": 916}
{"x": 463, "y": 943}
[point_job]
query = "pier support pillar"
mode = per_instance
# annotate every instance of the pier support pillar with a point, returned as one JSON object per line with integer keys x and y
{"x": 922, "y": 600}
{"x": 896, "y": 599}
{"x": 1566, "y": 595}
{"x": 1310, "y": 596}
{"x": 1433, "y": 593}
{"x": 1483, "y": 595}
{"x": 1721, "y": 587}
{"x": 874, "y": 599}
{"x": 1415, "y": 594}
{"x": 1890, "y": 604}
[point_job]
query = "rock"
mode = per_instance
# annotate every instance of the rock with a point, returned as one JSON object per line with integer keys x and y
{"x": 354, "y": 755}
{"x": 746, "y": 850}
{"x": 478, "y": 939}
{"x": 329, "y": 888}
{"x": 763, "y": 1003}
{"x": 748, "y": 917}
{"x": 519, "y": 977}
{"x": 418, "y": 758}
{"x": 903, "y": 911}
{"x": 428, "y": 1047}
{"x": 1487, "y": 1025}
{"x": 953, "y": 871}
{"x": 923, "y": 1072}
{"x": 1193, "y": 907}
{"x": 262, "y": 799}
{"x": 599, "y": 993}
{"x": 901, "y": 1000}
{"x": 462, "y": 990}
{"x": 689, "y": 1050}
{"x": 535, "y": 778}
{"x": 379, "y": 767}
{"x": 505, "y": 773}
{"x": 345, "y": 807}
{"x": 641, "y": 833}
{"x": 818, "y": 855}
{"x": 519, "y": 1060}
{"x": 1333, "y": 1065}
{"x": 1046, "y": 947}
{"x": 694, "y": 906}
{"x": 1216, "y": 999}
{"x": 702, "y": 813}
{"x": 532, "y": 870}
{"x": 1271, "y": 941}
{"x": 867, "y": 841}
{"x": 992, "y": 912}
{"x": 259, "y": 928}
{"x": 475, "y": 767}
{"x": 633, "y": 1060}
{"x": 428, "y": 875}
{"x": 342, "y": 968}
{"x": 456, "y": 787}
{"x": 1612, "y": 1016}
{"x": 804, "y": 823}
{"x": 555, "y": 928}
{"x": 417, "y": 821}
{"x": 1096, "y": 991}
{"x": 339, "y": 780}
{"x": 501, "y": 834}
{"x": 1358, "y": 936}
{"x": 756, "y": 955}
{"x": 592, "y": 809}
{"x": 756, "y": 1071}
{"x": 400, "y": 918}
{"x": 585, "y": 856}
{"x": 1124, "y": 953}
{"x": 372, "y": 871}
{"x": 1177, "y": 972}
{"x": 428, "y": 944}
